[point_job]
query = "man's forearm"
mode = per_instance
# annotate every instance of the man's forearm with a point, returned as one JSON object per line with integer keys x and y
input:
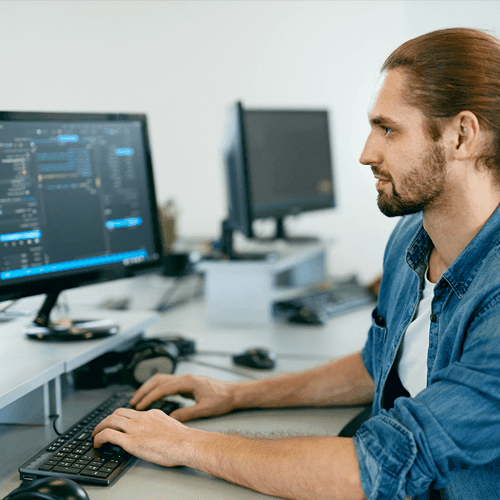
{"x": 294, "y": 468}
{"x": 343, "y": 381}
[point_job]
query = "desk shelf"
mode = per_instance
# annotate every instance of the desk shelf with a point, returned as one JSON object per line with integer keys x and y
{"x": 239, "y": 291}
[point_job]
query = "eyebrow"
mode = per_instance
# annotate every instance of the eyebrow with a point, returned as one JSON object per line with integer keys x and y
{"x": 383, "y": 120}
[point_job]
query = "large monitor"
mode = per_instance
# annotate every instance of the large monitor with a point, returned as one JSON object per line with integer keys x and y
{"x": 77, "y": 206}
{"x": 278, "y": 163}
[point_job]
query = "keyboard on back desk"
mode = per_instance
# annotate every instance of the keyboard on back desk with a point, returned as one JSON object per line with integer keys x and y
{"x": 72, "y": 455}
{"x": 317, "y": 305}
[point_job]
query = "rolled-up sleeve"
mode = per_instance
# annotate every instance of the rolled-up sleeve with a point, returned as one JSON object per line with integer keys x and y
{"x": 386, "y": 451}
{"x": 453, "y": 424}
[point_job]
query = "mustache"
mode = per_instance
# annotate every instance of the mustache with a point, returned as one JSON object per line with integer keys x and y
{"x": 381, "y": 174}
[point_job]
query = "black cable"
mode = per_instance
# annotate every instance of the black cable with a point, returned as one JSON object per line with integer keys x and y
{"x": 54, "y": 420}
{"x": 164, "y": 302}
{"x": 230, "y": 370}
{"x": 283, "y": 355}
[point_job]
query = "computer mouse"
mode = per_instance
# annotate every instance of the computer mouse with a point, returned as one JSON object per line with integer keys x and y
{"x": 258, "y": 357}
{"x": 48, "y": 488}
{"x": 306, "y": 317}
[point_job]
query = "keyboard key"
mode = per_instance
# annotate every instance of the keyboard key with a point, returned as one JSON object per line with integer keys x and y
{"x": 94, "y": 473}
{"x": 82, "y": 436}
{"x": 73, "y": 452}
{"x": 45, "y": 467}
{"x": 83, "y": 461}
{"x": 92, "y": 467}
{"x": 66, "y": 470}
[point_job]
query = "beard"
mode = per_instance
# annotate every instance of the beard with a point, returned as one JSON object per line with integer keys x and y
{"x": 419, "y": 189}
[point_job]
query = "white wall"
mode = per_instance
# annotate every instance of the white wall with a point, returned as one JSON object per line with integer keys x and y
{"x": 184, "y": 62}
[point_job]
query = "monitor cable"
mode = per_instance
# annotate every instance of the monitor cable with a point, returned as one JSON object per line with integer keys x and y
{"x": 165, "y": 301}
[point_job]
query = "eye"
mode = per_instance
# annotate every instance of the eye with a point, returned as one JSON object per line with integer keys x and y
{"x": 387, "y": 130}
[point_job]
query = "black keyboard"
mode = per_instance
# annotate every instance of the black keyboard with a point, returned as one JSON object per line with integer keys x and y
{"x": 72, "y": 455}
{"x": 320, "y": 304}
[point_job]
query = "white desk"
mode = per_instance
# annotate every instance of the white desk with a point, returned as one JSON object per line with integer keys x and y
{"x": 298, "y": 347}
{"x": 30, "y": 370}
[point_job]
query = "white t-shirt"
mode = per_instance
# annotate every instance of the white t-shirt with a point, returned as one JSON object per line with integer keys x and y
{"x": 412, "y": 355}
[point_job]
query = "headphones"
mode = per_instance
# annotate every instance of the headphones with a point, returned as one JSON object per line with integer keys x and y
{"x": 143, "y": 360}
{"x": 149, "y": 357}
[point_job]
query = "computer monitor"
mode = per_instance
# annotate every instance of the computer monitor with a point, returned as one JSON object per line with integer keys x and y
{"x": 278, "y": 163}
{"x": 77, "y": 206}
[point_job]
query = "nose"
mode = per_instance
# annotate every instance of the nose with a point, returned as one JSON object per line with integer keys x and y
{"x": 371, "y": 155}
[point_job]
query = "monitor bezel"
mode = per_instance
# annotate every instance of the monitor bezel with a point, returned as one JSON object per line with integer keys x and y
{"x": 243, "y": 210}
{"x": 45, "y": 284}
{"x": 240, "y": 211}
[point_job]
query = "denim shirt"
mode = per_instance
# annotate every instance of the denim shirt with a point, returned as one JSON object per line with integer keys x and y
{"x": 448, "y": 436}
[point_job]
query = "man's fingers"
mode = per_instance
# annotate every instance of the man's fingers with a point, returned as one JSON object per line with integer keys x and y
{"x": 110, "y": 436}
{"x": 160, "y": 389}
{"x": 190, "y": 412}
{"x": 144, "y": 389}
{"x": 125, "y": 412}
{"x": 152, "y": 396}
{"x": 117, "y": 420}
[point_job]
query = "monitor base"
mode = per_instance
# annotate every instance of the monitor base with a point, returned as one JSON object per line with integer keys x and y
{"x": 292, "y": 240}
{"x": 73, "y": 330}
{"x": 254, "y": 257}
{"x": 44, "y": 329}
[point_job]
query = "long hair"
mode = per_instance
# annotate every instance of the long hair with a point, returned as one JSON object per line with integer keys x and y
{"x": 454, "y": 70}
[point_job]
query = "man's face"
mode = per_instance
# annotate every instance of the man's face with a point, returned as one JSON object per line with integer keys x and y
{"x": 409, "y": 166}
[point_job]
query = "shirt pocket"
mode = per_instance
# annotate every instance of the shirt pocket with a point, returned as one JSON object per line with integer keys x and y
{"x": 378, "y": 341}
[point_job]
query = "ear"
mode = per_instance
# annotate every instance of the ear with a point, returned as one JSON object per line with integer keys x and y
{"x": 465, "y": 134}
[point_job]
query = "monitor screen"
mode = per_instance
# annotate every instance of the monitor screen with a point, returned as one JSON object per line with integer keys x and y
{"x": 77, "y": 202}
{"x": 289, "y": 161}
{"x": 278, "y": 163}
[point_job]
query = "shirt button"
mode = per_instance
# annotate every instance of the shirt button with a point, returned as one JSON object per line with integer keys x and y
{"x": 433, "y": 317}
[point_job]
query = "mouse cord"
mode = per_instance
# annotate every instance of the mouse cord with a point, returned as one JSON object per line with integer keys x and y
{"x": 210, "y": 365}
{"x": 282, "y": 355}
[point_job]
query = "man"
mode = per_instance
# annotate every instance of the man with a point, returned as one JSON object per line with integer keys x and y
{"x": 431, "y": 364}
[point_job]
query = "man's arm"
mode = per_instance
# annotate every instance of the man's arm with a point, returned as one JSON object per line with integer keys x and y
{"x": 344, "y": 381}
{"x": 294, "y": 468}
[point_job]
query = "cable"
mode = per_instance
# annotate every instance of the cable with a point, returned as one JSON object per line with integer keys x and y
{"x": 5, "y": 315}
{"x": 164, "y": 302}
{"x": 230, "y": 370}
{"x": 11, "y": 303}
{"x": 282, "y": 355}
{"x": 54, "y": 420}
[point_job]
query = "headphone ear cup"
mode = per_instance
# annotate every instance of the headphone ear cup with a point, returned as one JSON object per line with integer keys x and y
{"x": 105, "y": 370}
{"x": 148, "y": 358}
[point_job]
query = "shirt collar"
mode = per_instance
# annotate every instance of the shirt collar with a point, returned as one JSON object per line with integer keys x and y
{"x": 464, "y": 268}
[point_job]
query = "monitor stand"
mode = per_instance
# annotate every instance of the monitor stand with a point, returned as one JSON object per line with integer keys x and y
{"x": 44, "y": 329}
{"x": 227, "y": 249}
{"x": 281, "y": 235}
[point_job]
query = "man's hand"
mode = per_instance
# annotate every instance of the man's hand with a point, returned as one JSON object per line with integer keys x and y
{"x": 151, "y": 435}
{"x": 212, "y": 397}
{"x": 301, "y": 467}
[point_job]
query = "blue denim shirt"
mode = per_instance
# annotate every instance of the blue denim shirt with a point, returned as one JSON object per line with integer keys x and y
{"x": 448, "y": 436}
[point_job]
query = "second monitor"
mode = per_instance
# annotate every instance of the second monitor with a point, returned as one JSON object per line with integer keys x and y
{"x": 278, "y": 163}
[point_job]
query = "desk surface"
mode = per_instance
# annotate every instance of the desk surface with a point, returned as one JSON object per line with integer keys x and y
{"x": 28, "y": 364}
{"x": 297, "y": 347}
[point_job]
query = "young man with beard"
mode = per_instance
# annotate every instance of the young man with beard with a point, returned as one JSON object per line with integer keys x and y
{"x": 431, "y": 364}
